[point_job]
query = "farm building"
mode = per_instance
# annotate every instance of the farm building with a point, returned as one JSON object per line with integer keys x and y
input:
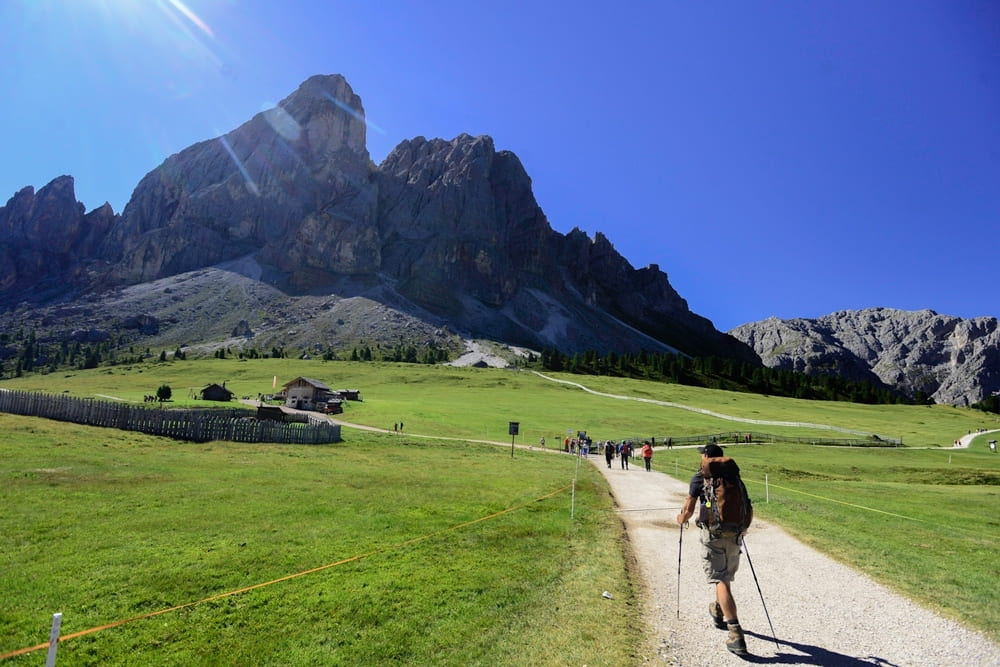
{"x": 216, "y": 392}
{"x": 306, "y": 394}
{"x": 272, "y": 412}
{"x": 348, "y": 394}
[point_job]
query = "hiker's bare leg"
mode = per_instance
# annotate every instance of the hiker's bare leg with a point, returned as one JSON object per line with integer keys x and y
{"x": 724, "y": 596}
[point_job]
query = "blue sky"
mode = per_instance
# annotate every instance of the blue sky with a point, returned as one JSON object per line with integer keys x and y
{"x": 773, "y": 158}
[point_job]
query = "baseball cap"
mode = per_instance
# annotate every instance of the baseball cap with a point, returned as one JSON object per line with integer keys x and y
{"x": 711, "y": 450}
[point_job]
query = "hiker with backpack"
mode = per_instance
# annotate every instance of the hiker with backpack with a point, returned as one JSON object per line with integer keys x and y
{"x": 647, "y": 454}
{"x": 724, "y": 514}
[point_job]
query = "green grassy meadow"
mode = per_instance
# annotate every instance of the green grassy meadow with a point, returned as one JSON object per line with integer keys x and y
{"x": 479, "y": 403}
{"x": 412, "y": 551}
{"x": 429, "y": 546}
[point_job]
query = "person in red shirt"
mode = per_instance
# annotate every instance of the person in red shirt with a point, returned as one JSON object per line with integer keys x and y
{"x": 647, "y": 454}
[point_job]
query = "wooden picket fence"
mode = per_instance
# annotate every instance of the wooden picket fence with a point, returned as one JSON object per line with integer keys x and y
{"x": 231, "y": 424}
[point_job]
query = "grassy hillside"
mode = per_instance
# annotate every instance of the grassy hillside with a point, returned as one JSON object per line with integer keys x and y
{"x": 408, "y": 553}
{"x": 479, "y": 403}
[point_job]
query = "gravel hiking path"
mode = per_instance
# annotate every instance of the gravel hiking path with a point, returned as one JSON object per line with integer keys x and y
{"x": 823, "y": 612}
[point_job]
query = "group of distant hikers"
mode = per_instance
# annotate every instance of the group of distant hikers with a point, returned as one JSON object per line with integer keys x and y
{"x": 623, "y": 450}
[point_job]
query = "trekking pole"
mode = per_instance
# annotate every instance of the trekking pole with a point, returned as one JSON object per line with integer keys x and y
{"x": 747, "y": 552}
{"x": 680, "y": 543}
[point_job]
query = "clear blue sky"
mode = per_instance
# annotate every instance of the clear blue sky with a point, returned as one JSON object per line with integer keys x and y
{"x": 773, "y": 158}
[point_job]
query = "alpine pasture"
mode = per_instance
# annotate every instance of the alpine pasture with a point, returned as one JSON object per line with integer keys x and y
{"x": 436, "y": 544}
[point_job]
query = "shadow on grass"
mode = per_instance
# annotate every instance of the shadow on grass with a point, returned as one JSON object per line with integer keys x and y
{"x": 813, "y": 655}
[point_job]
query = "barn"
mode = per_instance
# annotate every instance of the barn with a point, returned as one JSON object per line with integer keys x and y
{"x": 216, "y": 392}
{"x": 348, "y": 394}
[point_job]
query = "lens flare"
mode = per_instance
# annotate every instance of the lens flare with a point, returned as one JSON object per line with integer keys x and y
{"x": 283, "y": 123}
{"x": 239, "y": 165}
{"x": 192, "y": 17}
{"x": 353, "y": 113}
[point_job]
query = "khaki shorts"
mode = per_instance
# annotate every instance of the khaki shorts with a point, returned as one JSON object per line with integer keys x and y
{"x": 721, "y": 557}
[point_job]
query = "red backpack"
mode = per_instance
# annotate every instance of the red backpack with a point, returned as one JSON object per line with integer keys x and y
{"x": 727, "y": 509}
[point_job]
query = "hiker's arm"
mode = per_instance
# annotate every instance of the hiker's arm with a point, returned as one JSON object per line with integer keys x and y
{"x": 687, "y": 511}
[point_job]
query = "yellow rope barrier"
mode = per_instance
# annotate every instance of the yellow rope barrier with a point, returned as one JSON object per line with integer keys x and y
{"x": 352, "y": 559}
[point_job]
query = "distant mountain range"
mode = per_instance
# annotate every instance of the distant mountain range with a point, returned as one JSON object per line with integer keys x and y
{"x": 923, "y": 354}
{"x": 283, "y": 232}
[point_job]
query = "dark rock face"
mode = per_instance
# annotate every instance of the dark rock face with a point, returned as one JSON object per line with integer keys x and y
{"x": 292, "y": 184}
{"x": 464, "y": 237}
{"x": 447, "y": 231}
{"x": 459, "y": 213}
{"x": 242, "y": 330}
{"x": 952, "y": 360}
{"x": 146, "y": 324}
{"x": 43, "y": 237}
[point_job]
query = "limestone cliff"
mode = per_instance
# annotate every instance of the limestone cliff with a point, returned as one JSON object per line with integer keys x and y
{"x": 446, "y": 231}
{"x": 950, "y": 359}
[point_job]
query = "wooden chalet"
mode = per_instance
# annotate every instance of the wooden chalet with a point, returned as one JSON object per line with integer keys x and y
{"x": 304, "y": 393}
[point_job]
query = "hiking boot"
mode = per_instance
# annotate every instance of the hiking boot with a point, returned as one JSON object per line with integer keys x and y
{"x": 735, "y": 642}
{"x": 715, "y": 611}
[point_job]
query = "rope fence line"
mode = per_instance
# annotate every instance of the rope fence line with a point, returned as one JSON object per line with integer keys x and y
{"x": 973, "y": 532}
{"x": 219, "y": 596}
{"x": 834, "y": 500}
{"x": 783, "y": 488}
{"x": 968, "y": 531}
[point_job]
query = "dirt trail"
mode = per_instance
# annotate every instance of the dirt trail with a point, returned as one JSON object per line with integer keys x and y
{"x": 823, "y": 612}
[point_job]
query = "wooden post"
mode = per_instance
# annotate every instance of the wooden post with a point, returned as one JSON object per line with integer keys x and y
{"x": 50, "y": 661}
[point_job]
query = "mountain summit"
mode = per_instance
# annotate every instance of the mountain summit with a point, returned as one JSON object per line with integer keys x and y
{"x": 446, "y": 233}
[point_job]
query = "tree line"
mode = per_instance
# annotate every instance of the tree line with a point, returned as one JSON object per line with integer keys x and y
{"x": 728, "y": 374}
{"x": 402, "y": 352}
{"x": 23, "y": 353}
{"x": 989, "y": 404}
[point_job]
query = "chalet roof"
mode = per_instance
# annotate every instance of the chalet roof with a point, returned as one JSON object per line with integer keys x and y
{"x": 217, "y": 387}
{"x": 316, "y": 383}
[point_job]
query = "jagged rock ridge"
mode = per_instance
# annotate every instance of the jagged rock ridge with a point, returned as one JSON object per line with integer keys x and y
{"x": 447, "y": 232}
{"x": 950, "y": 359}
{"x": 43, "y": 236}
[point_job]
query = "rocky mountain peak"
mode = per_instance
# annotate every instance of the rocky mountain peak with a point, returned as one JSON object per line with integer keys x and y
{"x": 323, "y": 117}
{"x": 296, "y": 169}
{"x": 42, "y": 235}
{"x": 446, "y": 231}
{"x": 949, "y": 359}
